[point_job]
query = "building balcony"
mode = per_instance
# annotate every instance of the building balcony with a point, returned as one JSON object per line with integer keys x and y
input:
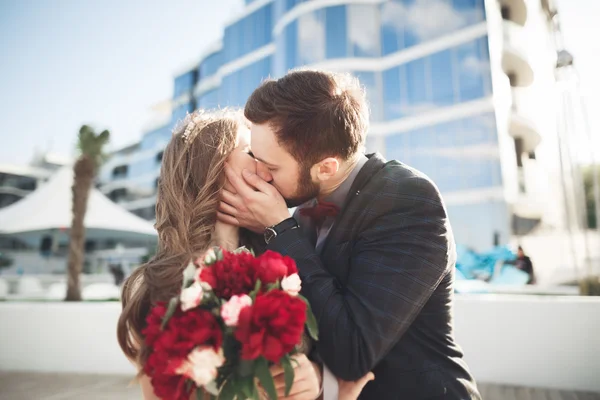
{"x": 514, "y": 10}
{"x": 529, "y": 203}
{"x": 520, "y": 127}
{"x": 514, "y": 60}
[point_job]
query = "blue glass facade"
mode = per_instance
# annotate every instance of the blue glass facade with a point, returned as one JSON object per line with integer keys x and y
{"x": 388, "y": 47}
{"x": 210, "y": 65}
{"x": 458, "y": 155}
{"x": 248, "y": 34}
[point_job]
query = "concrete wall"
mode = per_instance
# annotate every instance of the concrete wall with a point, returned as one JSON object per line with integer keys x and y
{"x": 535, "y": 341}
{"x": 538, "y": 341}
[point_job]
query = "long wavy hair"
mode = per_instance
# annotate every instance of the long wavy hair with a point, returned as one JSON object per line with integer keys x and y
{"x": 191, "y": 179}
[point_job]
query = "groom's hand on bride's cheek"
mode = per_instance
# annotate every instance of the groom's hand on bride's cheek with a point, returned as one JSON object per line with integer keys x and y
{"x": 307, "y": 380}
{"x": 256, "y": 205}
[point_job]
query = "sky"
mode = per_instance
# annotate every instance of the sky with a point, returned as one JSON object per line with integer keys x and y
{"x": 101, "y": 62}
{"x": 64, "y": 63}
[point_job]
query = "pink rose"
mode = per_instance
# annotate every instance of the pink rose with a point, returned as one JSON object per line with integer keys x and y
{"x": 231, "y": 310}
{"x": 191, "y": 297}
{"x": 292, "y": 284}
{"x": 201, "y": 365}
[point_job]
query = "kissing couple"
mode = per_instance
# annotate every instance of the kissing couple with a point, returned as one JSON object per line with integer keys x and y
{"x": 371, "y": 239}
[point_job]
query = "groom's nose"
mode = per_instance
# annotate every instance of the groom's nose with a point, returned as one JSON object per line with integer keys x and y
{"x": 263, "y": 172}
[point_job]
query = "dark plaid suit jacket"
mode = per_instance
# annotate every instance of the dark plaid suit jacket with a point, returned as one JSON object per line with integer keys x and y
{"x": 382, "y": 287}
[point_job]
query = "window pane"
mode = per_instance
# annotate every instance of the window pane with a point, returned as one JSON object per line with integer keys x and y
{"x": 209, "y": 100}
{"x": 369, "y": 80}
{"x": 249, "y": 33}
{"x": 442, "y": 79}
{"x": 311, "y": 36}
{"x": 184, "y": 83}
{"x": 473, "y": 64}
{"x": 392, "y": 31}
{"x": 391, "y": 93}
{"x": 156, "y": 137}
{"x": 336, "y": 32}
{"x": 417, "y": 87}
{"x": 210, "y": 65}
{"x": 363, "y": 30}
{"x": 397, "y": 147}
{"x": 475, "y": 224}
{"x": 408, "y": 23}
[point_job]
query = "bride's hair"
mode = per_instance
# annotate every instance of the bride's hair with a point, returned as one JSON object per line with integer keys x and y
{"x": 191, "y": 179}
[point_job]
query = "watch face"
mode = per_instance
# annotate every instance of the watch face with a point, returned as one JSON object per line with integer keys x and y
{"x": 269, "y": 235}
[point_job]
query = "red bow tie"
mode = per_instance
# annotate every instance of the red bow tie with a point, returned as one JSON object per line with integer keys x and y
{"x": 320, "y": 211}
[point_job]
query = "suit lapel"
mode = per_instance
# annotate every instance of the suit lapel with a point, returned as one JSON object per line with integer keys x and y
{"x": 371, "y": 167}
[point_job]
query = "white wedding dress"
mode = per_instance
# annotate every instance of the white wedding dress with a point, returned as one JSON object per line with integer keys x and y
{"x": 330, "y": 385}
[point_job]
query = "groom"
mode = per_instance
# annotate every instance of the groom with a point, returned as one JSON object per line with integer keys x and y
{"x": 371, "y": 238}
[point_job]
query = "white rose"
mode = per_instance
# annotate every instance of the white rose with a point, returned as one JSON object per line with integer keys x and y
{"x": 201, "y": 365}
{"x": 230, "y": 312}
{"x": 292, "y": 284}
{"x": 191, "y": 297}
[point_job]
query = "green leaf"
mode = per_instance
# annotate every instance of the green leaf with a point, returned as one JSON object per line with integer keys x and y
{"x": 265, "y": 377}
{"x": 246, "y": 368}
{"x": 247, "y": 387}
{"x": 170, "y": 311}
{"x": 219, "y": 253}
{"x": 241, "y": 250}
{"x": 228, "y": 390}
{"x": 188, "y": 275}
{"x": 257, "y": 287}
{"x": 254, "y": 395}
{"x": 200, "y": 394}
{"x": 311, "y": 321}
{"x": 212, "y": 388}
{"x": 288, "y": 373}
{"x": 272, "y": 286}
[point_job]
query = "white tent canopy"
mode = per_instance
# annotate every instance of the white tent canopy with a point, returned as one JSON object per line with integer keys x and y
{"x": 49, "y": 208}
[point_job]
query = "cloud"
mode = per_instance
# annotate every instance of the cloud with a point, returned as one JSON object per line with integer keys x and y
{"x": 311, "y": 36}
{"x": 428, "y": 19}
{"x": 475, "y": 65}
{"x": 364, "y": 28}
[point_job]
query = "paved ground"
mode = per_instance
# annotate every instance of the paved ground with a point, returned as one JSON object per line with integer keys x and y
{"x": 30, "y": 386}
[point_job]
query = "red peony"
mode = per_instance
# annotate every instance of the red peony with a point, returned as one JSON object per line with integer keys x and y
{"x": 272, "y": 326}
{"x": 171, "y": 346}
{"x": 274, "y": 267}
{"x": 234, "y": 274}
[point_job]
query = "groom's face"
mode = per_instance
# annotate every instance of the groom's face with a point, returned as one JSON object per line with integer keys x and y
{"x": 292, "y": 179}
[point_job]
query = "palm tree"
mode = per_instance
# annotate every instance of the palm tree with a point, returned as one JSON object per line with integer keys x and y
{"x": 91, "y": 156}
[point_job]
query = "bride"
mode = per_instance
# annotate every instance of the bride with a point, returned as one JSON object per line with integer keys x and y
{"x": 191, "y": 179}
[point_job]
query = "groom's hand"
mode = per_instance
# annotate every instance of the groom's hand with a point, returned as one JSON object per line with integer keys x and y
{"x": 307, "y": 380}
{"x": 256, "y": 205}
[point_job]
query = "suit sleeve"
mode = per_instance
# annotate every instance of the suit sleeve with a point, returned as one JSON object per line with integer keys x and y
{"x": 397, "y": 262}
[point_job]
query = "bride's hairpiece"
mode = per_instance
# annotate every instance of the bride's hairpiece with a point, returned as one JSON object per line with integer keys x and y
{"x": 193, "y": 120}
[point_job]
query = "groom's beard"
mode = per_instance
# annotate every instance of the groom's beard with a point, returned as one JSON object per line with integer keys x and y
{"x": 307, "y": 189}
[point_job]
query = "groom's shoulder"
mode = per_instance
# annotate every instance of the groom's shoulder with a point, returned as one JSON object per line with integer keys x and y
{"x": 402, "y": 179}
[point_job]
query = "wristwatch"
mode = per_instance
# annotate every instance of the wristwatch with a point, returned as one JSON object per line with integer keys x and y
{"x": 278, "y": 229}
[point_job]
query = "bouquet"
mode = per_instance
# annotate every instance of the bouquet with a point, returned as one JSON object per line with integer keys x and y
{"x": 237, "y": 315}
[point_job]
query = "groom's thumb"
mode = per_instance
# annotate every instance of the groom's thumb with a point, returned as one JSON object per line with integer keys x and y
{"x": 368, "y": 377}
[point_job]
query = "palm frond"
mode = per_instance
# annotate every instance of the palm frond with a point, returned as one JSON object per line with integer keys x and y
{"x": 91, "y": 144}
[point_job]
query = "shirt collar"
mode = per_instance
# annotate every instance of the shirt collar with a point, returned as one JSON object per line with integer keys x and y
{"x": 338, "y": 196}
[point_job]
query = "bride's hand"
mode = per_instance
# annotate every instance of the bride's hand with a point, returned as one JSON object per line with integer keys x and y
{"x": 350, "y": 390}
{"x": 307, "y": 380}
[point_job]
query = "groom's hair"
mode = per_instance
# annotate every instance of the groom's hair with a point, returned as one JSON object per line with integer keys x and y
{"x": 315, "y": 114}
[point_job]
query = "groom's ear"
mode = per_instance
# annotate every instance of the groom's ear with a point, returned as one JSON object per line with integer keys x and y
{"x": 326, "y": 168}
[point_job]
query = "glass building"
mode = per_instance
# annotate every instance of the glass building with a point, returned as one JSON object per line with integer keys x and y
{"x": 450, "y": 85}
